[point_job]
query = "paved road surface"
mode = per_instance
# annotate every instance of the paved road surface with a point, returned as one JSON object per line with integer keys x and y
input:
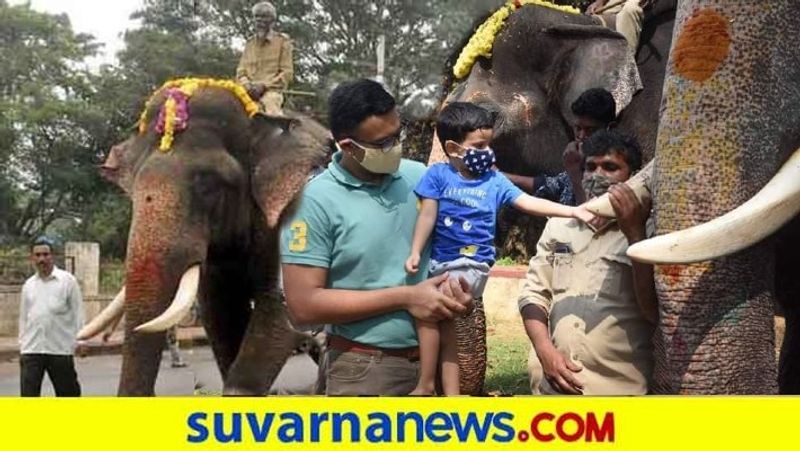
{"x": 99, "y": 375}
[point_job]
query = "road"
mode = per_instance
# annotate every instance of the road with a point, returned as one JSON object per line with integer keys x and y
{"x": 99, "y": 375}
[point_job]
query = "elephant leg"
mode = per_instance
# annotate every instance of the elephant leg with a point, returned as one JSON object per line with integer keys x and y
{"x": 471, "y": 335}
{"x": 787, "y": 285}
{"x": 789, "y": 366}
{"x": 225, "y": 312}
{"x": 267, "y": 344}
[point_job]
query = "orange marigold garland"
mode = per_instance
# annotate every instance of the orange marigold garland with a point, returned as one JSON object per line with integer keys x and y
{"x": 174, "y": 114}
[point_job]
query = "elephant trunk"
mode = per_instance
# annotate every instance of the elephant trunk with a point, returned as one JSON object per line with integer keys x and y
{"x": 163, "y": 245}
{"x": 715, "y": 332}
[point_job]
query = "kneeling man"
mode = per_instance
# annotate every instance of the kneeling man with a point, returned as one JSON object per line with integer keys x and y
{"x": 587, "y": 308}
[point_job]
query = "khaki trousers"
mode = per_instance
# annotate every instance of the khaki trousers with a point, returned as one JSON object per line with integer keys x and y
{"x": 271, "y": 103}
{"x": 629, "y": 21}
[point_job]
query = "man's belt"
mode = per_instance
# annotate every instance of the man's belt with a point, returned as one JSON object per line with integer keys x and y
{"x": 344, "y": 345}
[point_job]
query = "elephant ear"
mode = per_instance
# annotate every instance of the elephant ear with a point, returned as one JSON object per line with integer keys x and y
{"x": 597, "y": 57}
{"x": 119, "y": 165}
{"x": 285, "y": 152}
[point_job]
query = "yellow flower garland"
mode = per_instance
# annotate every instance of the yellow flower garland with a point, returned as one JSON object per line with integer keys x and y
{"x": 481, "y": 43}
{"x": 188, "y": 86}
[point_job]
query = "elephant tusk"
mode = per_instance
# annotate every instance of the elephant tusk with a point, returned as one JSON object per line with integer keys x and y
{"x": 639, "y": 183}
{"x": 107, "y": 317}
{"x": 773, "y": 206}
{"x": 180, "y": 306}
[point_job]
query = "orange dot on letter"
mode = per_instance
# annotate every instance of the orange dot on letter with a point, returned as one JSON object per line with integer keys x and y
{"x": 702, "y": 45}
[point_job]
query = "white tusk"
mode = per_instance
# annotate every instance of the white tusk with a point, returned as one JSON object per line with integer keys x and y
{"x": 639, "y": 183}
{"x": 180, "y": 306}
{"x": 773, "y": 206}
{"x": 99, "y": 323}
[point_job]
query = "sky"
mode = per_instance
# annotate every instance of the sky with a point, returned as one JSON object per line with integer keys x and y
{"x": 106, "y": 20}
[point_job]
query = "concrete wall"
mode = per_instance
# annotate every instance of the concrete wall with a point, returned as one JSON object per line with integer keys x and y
{"x": 500, "y": 296}
{"x": 86, "y": 258}
{"x": 9, "y": 308}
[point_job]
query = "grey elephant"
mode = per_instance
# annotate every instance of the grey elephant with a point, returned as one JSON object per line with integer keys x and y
{"x": 542, "y": 59}
{"x": 726, "y": 189}
{"x": 209, "y": 186}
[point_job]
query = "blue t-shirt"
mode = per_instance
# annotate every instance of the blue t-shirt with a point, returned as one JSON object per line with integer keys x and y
{"x": 467, "y": 216}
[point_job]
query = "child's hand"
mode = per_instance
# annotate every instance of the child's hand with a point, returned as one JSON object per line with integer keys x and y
{"x": 412, "y": 264}
{"x": 582, "y": 214}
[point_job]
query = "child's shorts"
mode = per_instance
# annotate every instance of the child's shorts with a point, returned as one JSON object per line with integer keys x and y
{"x": 474, "y": 272}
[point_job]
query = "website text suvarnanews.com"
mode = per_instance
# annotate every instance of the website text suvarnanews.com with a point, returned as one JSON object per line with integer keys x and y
{"x": 398, "y": 427}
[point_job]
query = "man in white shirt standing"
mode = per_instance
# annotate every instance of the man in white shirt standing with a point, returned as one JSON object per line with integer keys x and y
{"x": 50, "y": 316}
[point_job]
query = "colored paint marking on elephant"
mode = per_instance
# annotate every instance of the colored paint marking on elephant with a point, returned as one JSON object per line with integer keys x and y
{"x": 702, "y": 45}
{"x": 482, "y": 41}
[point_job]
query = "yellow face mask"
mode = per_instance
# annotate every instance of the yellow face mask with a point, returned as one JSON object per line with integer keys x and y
{"x": 380, "y": 161}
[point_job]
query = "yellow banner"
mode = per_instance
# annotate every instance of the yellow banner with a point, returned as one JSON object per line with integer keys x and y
{"x": 518, "y": 423}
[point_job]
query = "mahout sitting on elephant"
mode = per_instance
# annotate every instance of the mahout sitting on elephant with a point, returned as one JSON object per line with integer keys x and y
{"x": 209, "y": 185}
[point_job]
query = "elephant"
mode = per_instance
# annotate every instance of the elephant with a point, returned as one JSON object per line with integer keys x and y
{"x": 541, "y": 61}
{"x": 726, "y": 197}
{"x": 206, "y": 215}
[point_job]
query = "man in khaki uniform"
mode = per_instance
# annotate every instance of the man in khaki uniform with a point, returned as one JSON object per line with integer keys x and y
{"x": 630, "y": 16}
{"x": 587, "y": 308}
{"x": 266, "y": 67}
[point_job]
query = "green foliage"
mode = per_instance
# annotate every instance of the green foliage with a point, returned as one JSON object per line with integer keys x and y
{"x": 506, "y": 372}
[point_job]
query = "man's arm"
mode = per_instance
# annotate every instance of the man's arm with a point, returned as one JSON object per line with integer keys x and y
{"x": 426, "y": 220}
{"x": 242, "y": 73}
{"x": 558, "y": 370}
{"x": 523, "y": 182}
{"x": 632, "y": 219}
{"x": 286, "y": 64}
{"x": 310, "y": 302}
{"x": 534, "y": 304}
{"x": 23, "y": 310}
{"x": 76, "y": 304}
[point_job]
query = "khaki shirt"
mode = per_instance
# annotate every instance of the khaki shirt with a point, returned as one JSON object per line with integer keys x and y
{"x": 584, "y": 281}
{"x": 263, "y": 59}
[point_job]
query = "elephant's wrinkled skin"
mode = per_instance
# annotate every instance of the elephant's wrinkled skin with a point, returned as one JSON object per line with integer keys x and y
{"x": 731, "y": 117}
{"x": 213, "y": 200}
{"x": 542, "y": 60}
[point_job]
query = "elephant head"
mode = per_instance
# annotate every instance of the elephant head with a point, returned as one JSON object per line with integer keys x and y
{"x": 205, "y": 216}
{"x": 541, "y": 61}
{"x": 731, "y": 119}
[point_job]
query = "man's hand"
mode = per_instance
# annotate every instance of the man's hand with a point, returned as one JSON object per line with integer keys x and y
{"x": 559, "y": 371}
{"x": 595, "y": 6}
{"x": 430, "y": 304}
{"x": 412, "y": 264}
{"x": 256, "y": 90}
{"x": 572, "y": 157}
{"x": 458, "y": 290}
{"x": 631, "y": 214}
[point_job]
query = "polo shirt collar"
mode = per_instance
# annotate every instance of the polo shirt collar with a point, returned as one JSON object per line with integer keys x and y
{"x": 344, "y": 177}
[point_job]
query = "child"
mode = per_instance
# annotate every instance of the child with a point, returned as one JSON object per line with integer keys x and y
{"x": 459, "y": 201}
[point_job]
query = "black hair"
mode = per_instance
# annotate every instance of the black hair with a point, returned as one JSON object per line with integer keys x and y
{"x": 604, "y": 142}
{"x": 353, "y": 102}
{"x": 458, "y": 119}
{"x": 596, "y": 103}
{"x": 44, "y": 241}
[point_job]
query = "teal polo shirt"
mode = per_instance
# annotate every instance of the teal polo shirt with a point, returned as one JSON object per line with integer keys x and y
{"x": 362, "y": 234}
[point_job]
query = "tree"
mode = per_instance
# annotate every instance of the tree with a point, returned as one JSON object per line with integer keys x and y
{"x": 45, "y": 146}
